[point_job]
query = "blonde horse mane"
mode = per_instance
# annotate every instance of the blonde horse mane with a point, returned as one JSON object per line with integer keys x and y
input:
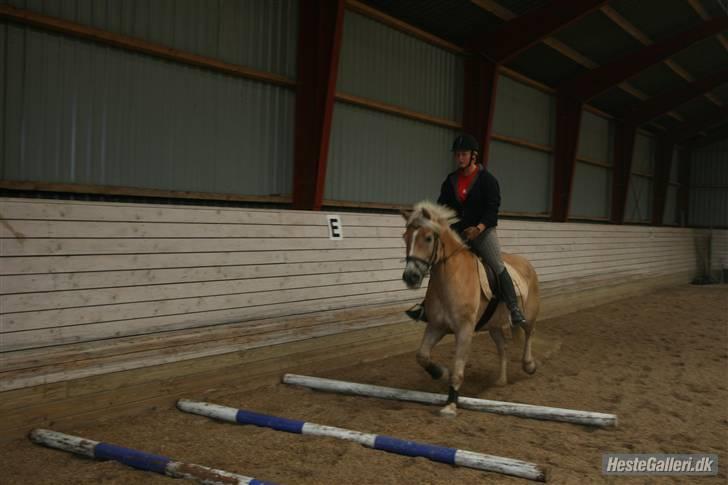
{"x": 440, "y": 216}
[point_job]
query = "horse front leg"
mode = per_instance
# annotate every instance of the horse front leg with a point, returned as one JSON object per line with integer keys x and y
{"x": 463, "y": 339}
{"x": 528, "y": 363}
{"x": 500, "y": 342}
{"x": 433, "y": 334}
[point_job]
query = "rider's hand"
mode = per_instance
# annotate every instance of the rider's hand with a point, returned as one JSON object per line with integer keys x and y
{"x": 472, "y": 232}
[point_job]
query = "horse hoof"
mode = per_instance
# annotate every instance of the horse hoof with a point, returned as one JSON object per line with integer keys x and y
{"x": 449, "y": 411}
{"x": 529, "y": 367}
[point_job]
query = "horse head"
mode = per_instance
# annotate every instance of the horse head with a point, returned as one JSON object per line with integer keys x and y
{"x": 422, "y": 237}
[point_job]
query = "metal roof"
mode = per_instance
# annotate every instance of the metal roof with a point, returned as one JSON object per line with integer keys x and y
{"x": 605, "y": 35}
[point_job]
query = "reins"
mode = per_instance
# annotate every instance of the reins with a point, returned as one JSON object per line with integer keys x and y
{"x": 433, "y": 256}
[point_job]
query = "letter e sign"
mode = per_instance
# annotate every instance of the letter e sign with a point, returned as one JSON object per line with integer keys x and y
{"x": 335, "y": 231}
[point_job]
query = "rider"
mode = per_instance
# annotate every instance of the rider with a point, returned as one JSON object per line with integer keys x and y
{"x": 473, "y": 193}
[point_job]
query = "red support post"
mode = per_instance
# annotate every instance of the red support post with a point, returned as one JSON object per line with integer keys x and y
{"x": 623, "y": 149}
{"x": 568, "y": 124}
{"x": 319, "y": 44}
{"x": 481, "y": 83}
{"x": 663, "y": 165}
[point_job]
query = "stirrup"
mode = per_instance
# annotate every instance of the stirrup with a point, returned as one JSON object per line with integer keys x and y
{"x": 517, "y": 318}
{"x": 417, "y": 312}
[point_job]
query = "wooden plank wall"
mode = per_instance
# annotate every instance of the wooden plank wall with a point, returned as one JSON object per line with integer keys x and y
{"x": 116, "y": 304}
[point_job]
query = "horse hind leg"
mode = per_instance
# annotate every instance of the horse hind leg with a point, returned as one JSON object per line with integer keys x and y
{"x": 463, "y": 339}
{"x": 528, "y": 363}
{"x": 432, "y": 335}
{"x": 500, "y": 342}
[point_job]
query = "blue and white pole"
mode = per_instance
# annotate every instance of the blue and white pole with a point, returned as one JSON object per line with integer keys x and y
{"x": 139, "y": 459}
{"x": 442, "y": 454}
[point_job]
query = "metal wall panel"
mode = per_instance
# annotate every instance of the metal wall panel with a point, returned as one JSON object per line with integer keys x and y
{"x": 675, "y": 166}
{"x": 709, "y": 186}
{"x": 78, "y": 112}
{"x": 261, "y": 34}
{"x": 596, "y": 137}
{"x": 381, "y": 63}
{"x": 639, "y": 200}
{"x": 670, "y": 216}
{"x": 376, "y": 157}
{"x": 524, "y": 112}
{"x": 592, "y": 191}
{"x": 643, "y": 156}
{"x": 524, "y": 176}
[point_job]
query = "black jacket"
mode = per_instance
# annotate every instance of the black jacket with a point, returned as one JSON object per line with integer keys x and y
{"x": 480, "y": 205}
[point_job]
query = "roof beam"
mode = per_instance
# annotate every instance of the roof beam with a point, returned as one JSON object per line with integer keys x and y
{"x": 503, "y": 13}
{"x": 643, "y": 38}
{"x": 704, "y": 15}
{"x": 713, "y": 136}
{"x": 658, "y": 105}
{"x": 690, "y": 128}
{"x": 522, "y": 32}
{"x": 596, "y": 81}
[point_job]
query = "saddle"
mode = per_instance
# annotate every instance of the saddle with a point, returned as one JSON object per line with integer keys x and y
{"x": 490, "y": 287}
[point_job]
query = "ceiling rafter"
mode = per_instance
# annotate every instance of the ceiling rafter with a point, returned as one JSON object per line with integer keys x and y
{"x": 700, "y": 10}
{"x": 505, "y": 14}
{"x": 630, "y": 28}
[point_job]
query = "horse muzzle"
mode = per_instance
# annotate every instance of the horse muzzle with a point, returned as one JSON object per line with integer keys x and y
{"x": 412, "y": 278}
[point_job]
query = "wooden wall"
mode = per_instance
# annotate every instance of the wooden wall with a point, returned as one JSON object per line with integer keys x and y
{"x": 136, "y": 297}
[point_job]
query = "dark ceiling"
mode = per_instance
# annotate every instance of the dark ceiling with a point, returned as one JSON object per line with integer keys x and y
{"x": 599, "y": 39}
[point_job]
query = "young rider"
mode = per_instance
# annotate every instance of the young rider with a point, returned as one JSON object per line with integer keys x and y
{"x": 473, "y": 193}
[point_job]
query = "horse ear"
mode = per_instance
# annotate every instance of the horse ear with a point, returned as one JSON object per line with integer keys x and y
{"x": 426, "y": 214}
{"x": 406, "y": 213}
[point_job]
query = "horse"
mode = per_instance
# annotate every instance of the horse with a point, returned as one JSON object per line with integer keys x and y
{"x": 457, "y": 298}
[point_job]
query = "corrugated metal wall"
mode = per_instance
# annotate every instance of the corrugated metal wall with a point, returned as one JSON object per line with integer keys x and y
{"x": 639, "y": 195}
{"x": 378, "y": 157}
{"x": 592, "y": 187}
{"x": 708, "y": 204}
{"x": 378, "y": 62}
{"x": 670, "y": 216}
{"x": 79, "y": 112}
{"x": 524, "y": 176}
{"x": 525, "y": 113}
{"x": 255, "y": 33}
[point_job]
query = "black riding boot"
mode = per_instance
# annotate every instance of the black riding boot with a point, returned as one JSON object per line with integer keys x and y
{"x": 417, "y": 312}
{"x": 508, "y": 294}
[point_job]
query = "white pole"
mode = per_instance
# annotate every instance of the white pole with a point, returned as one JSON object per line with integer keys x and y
{"x": 474, "y": 404}
{"x": 442, "y": 454}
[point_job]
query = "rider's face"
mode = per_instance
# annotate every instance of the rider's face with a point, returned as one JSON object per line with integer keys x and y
{"x": 463, "y": 158}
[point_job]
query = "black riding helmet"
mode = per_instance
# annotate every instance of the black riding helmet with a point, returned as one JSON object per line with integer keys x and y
{"x": 464, "y": 143}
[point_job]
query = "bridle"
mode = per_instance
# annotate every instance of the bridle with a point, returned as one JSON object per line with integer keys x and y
{"x": 424, "y": 265}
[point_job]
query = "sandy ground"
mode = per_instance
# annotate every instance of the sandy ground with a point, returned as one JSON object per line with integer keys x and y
{"x": 659, "y": 361}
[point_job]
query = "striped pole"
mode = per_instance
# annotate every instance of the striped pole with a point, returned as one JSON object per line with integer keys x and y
{"x": 474, "y": 404}
{"x": 139, "y": 459}
{"x": 442, "y": 454}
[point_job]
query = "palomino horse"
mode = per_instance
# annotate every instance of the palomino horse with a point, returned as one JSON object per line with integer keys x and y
{"x": 456, "y": 300}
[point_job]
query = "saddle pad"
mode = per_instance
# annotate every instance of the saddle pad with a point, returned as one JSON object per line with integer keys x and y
{"x": 518, "y": 281}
